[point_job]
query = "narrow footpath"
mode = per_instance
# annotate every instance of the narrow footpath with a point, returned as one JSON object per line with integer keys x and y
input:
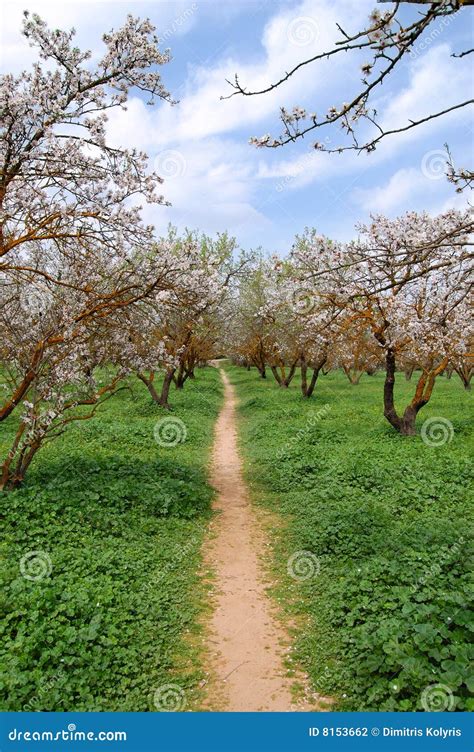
{"x": 247, "y": 644}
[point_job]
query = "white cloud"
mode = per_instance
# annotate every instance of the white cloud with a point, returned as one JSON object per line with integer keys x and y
{"x": 202, "y": 113}
{"x": 409, "y": 188}
{"x": 402, "y": 188}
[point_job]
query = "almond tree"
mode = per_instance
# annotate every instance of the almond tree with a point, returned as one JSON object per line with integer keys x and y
{"x": 68, "y": 208}
{"x": 412, "y": 286}
{"x": 245, "y": 334}
{"x": 172, "y": 331}
{"x": 71, "y": 331}
{"x": 312, "y": 280}
{"x": 406, "y": 281}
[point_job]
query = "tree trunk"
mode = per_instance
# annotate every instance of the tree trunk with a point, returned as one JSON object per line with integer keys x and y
{"x": 148, "y": 381}
{"x": 308, "y": 389}
{"x": 352, "y": 375}
{"x": 13, "y": 477}
{"x": 287, "y": 381}
{"x": 465, "y": 375}
{"x": 406, "y": 425}
{"x": 388, "y": 391}
{"x": 165, "y": 389}
{"x": 304, "y": 377}
{"x": 23, "y": 388}
{"x": 180, "y": 377}
{"x": 409, "y": 373}
{"x": 277, "y": 376}
{"x": 6, "y": 472}
{"x": 312, "y": 383}
{"x": 260, "y": 366}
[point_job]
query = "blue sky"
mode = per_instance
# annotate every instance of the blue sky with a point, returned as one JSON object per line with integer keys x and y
{"x": 215, "y": 180}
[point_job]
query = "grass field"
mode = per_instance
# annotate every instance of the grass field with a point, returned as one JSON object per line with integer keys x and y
{"x": 372, "y": 556}
{"x": 117, "y": 522}
{"x": 370, "y": 559}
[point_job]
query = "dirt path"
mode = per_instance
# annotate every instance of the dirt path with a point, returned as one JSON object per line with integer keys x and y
{"x": 246, "y": 642}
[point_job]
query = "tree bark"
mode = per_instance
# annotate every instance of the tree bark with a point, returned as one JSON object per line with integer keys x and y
{"x": 148, "y": 381}
{"x": 388, "y": 391}
{"x": 291, "y": 373}
{"x": 308, "y": 389}
{"x": 180, "y": 377}
{"x": 465, "y": 375}
{"x": 277, "y": 376}
{"x": 165, "y": 389}
{"x": 405, "y": 425}
{"x": 22, "y": 389}
{"x": 304, "y": 376}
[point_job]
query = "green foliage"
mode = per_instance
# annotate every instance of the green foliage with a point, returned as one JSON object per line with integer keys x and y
{"x": 122, "y": 520}
{"x": 387, "y": 518}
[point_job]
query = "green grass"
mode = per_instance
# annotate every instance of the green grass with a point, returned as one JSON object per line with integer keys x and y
{"x": 121, "y": 520}
{"x": 384, "y": 524}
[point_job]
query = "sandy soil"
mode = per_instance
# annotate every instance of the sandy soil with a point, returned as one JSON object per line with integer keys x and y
{"x": 246, "y": 642}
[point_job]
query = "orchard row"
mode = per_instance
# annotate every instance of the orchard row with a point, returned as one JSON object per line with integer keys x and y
{"x": 89, "y": 295}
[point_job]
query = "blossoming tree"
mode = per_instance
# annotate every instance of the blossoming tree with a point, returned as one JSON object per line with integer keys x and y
{"x": 68, "y": 200}
{"x": 409, "y": 282}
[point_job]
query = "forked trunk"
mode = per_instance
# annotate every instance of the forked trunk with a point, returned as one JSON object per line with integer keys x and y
{"x": 17, "y": 462}
{"x": 308, "y": 389}
{"x": 352, "y": 374}
{"x": 405, "y": 424}
{"x": 283, "y": 380}
{"x": 277, "y": 376}
{"x": 465, "y": 374}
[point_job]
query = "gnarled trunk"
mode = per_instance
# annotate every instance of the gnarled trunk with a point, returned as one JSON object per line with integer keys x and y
{"x": 405, "y": 424}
